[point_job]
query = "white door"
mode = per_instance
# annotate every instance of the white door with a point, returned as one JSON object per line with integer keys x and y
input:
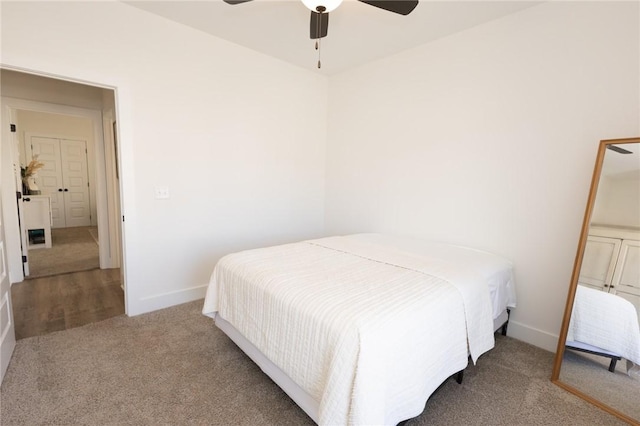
{"x": 7, "y": 329}
{"x": 626, "y": 281}
{"x": 65, "y": 178}
{"x": 75, "y": 178}
{"x": 50, "y": 176}
{"x": 599, "y": 262}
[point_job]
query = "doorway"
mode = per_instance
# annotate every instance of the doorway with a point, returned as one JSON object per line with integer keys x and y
{"x": 78, "y": 144}
{"x": 59, "y": 224}
{"x": 60, "y": 220}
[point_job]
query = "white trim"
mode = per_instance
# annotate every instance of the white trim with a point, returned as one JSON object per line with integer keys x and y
{"x": 615, "y": 232}
{"x": 168, "y": 299}
{"x": 11, "y": 225}
{"x": 9, "y": 67}
{"x": 113, "y": 189}
{"x": 533, "y": 336}
{"x": 8, "y": 337}
{"x": 124, "y": 158}
{"x": 5, "y": 302}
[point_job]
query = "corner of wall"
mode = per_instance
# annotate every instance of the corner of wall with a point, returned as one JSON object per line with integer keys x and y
{"x": 533, "y": 336}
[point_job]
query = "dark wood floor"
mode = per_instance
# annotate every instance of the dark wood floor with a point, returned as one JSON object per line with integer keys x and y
{"x": 44, "y": 305}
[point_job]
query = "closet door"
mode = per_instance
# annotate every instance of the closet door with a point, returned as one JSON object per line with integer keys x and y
{"x": 626, "y": 280}
{"x": 599, "y": 262}
{"x": 75, "y": 179}
{"x": 49, "y": 178}
{"x": 65, "y": 178}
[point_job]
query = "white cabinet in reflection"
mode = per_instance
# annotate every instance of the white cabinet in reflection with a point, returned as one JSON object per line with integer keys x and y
{"x": 611, "y": 262}
{"x": 599, "y": 262}
{"x": 626, "y": 277}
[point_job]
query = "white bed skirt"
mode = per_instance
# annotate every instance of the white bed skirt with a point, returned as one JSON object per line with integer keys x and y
{"x": 295, "y": 392}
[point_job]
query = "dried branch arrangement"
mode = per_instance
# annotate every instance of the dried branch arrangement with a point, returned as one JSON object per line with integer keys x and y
{"x": 33, "y": 167}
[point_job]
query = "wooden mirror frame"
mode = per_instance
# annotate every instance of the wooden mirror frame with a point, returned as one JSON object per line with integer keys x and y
{"x": 555, "y": 376}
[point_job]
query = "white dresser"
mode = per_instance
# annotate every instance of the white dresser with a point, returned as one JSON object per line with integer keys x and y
{"x": 611, "y": 262}
{"x": 37, "y": 220}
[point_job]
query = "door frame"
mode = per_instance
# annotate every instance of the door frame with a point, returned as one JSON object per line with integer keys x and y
{"x": 108, "y": 256}
{"x": 7, "y": 331}
{"x": 15, "y": 243}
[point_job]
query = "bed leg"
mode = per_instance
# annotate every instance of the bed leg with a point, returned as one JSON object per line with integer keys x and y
{"x": 612, "y": 365}
{"x": 459, "y": 376}
{"x": 503, "y": 331}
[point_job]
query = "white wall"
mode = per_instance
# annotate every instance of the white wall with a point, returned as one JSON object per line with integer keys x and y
{"x": 488, "y": 138}
{"x": 237, "y": 137}
{"x": 618, "y": 201}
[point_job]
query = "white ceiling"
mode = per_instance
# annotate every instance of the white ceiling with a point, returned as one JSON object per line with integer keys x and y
{"x": 358, "y": 33}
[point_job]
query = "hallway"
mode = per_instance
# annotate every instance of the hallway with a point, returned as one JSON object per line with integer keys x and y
{"x": 48, "y": 304}
{"x": 72, "y": 249}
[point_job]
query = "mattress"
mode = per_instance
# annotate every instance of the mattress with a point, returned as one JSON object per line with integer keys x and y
{"x": 367, "y": 326}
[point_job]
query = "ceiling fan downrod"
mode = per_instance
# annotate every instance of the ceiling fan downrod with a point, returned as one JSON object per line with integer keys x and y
{"x": 320, "y": 10}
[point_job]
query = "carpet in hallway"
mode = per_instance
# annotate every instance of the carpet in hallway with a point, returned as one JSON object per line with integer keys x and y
{"x": 72, "y": 249}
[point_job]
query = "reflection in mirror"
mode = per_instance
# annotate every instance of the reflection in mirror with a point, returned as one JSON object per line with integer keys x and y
{"x": 598, "y": 354}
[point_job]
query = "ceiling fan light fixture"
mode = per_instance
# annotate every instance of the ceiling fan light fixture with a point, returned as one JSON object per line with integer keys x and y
{"x": 328, "y": 5}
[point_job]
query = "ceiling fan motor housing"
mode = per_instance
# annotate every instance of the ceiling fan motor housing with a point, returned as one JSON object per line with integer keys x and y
{"x": 322, "y": 6}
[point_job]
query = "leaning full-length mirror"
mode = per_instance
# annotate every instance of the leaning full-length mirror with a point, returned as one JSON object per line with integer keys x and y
{"x": 598, "y": 355}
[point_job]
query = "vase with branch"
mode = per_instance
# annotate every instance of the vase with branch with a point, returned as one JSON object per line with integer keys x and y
{"x": 29, "y": 175}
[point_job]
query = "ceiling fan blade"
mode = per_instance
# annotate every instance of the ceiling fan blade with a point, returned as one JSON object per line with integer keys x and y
{"x": 619, "y": 150}
{"x": 403, "y": 7}
{"x": 235, "y": 1}
{"x": 319, "y": 25}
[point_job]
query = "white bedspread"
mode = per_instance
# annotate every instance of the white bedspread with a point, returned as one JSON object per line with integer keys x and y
{"x": 367, "y": 331}
{"x": 606, "y": 321}
{"x": 495, "y": 270}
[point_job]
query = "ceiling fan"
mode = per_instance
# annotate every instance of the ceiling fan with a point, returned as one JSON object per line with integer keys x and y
{"x": 319, "y": 22}
{"x": 619, "y": 150}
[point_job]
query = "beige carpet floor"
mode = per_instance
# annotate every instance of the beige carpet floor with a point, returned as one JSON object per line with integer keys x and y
{"x": 174, "y": 367}
{"x": 72, "y": 250}
{"x": 590, "y": 373}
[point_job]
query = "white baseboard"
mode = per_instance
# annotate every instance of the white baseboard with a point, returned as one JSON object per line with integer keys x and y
{"x": 166, "y": 300}
{"x": 533, "y": 336}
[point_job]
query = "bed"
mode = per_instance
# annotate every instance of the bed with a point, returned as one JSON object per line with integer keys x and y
{"x": 604, "y": 324}
{"x": 361, "y": 329}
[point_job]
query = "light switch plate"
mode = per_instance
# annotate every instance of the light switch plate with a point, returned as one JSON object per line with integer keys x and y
{"x": 162, "y": 192}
